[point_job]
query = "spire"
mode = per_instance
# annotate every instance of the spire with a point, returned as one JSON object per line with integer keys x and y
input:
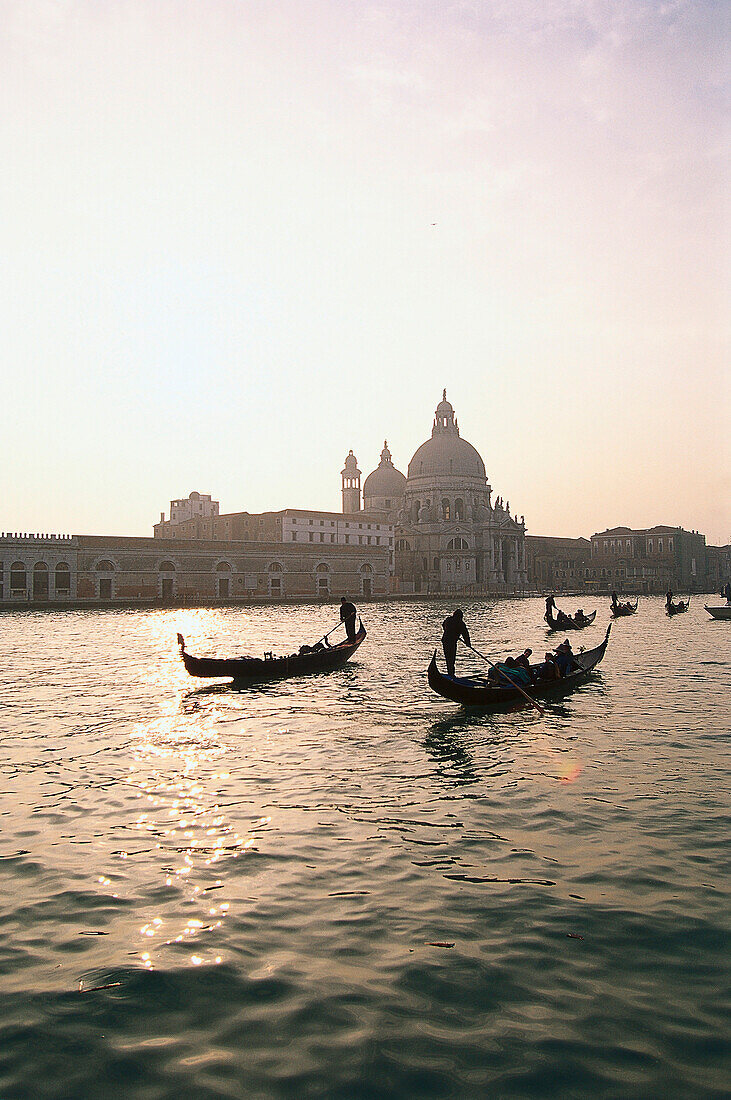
{"x": 386, "y": 459}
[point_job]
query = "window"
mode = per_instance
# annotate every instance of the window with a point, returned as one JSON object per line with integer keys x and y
{"x": 436, "y": 565}
{"x": 659, "y": 546}
{"x": 347, "y": 539}
{"x": 166, "y": 567}
{"x": 62, "y": 579}
{"x": 104, "y": 567}
{"x": 458, "y": 544}
{"x": 670, "y": 545}
{"x": 459, "y": 508}
{"x": 446, "y": 511}
{"x": 40, "y": 581}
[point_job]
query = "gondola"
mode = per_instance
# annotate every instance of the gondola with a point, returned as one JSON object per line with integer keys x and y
{"x": 320, "y": 658}
{"x": 472, "y": 691}
{"x": 677, "y": 608}
{"x": 623, "y": 609}
{"x": 571, "y": 624}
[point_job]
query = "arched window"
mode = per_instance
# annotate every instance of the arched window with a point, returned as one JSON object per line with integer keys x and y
{"x": 436, "y": 565}
{"x": 275, "y": 567}
{"x": 18, "y": 579}
{"x": 276, "y": 587}
{"x": 166, "y": 567}
{"x": 104, "y": 567}
{"x": 446, "y": 511}
{"x": 459, "y": 508}
{"x": 659, "y": 546}
{"x": 62, "y": 579}
{"x": 366, "y": 580}
{"x": 458, "y": 544}
{"x": 223, "y": 567}
{"x": 402, "y": 544}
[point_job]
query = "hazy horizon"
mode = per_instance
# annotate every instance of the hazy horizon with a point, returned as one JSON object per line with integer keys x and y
{"x": 241, "y": 238}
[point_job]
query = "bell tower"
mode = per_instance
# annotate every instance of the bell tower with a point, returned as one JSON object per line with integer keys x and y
{"x": 350, "y": 475}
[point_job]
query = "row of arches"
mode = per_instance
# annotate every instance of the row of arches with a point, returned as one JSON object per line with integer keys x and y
{"x": 40, "y": 575}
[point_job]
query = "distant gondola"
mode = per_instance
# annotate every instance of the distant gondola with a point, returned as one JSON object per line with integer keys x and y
{"x": 570, "y": 624}
{"x": 623, "y": 609}
{"x": 320, "y": 658}
{"x": 677, "y": 608}
{"x": 473, "y": 691}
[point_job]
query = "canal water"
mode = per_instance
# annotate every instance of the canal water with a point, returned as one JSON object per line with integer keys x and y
{"x": 344, "y": 886}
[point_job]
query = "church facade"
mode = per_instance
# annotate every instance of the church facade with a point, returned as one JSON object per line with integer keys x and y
{"x": 449, "y": 534}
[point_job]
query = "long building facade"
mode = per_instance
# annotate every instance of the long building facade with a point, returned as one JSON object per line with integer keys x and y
{"x": 60, "y": 569}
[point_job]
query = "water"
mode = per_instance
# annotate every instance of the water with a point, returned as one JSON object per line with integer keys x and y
{"x": 344, "y": 886}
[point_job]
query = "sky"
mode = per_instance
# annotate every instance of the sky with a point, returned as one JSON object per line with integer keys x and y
{"x": 240, "y": 237}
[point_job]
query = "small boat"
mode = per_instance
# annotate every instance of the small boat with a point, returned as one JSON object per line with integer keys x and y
{"x": 318, "y": 658}
{"x": 677, "y": 608}
{"x": 569, "y": 623}
{"x": 623, "y": 609}
{"x": 722, "y": 612}
{"x": 473, "y": 691}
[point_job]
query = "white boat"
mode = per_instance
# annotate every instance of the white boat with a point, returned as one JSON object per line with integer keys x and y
{"x": 722, "y": 612}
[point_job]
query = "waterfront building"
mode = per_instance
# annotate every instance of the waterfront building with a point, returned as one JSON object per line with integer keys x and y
{"x": 648, "y": 560}
{"x": 61, "y": 569}
{"x": 557, "y": 564}
{"x": 450, "y": 536}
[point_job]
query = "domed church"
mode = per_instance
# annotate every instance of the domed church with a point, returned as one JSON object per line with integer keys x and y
{"x": 450, "y": 536}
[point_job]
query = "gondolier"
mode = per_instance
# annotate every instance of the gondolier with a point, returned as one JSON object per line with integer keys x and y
{"x": 453, "y": 629}
{"x": 347, "y": 616}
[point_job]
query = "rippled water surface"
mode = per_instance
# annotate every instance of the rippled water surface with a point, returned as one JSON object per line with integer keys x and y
{"x": 345, "y": 886}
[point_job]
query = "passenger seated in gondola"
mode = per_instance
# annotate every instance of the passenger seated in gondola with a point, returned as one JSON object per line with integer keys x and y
{"x": 562, "y": 619}
{"x": 509, "y": 670}
{"x": 580, "y": 617}
{"x": 524, "y": 660}
{"x": 548, "y": 669}
{"x": 565, "y": 658}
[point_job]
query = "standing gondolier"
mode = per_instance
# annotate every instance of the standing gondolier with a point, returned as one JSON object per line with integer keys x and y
{"x": 347, "y": 616}
{"x": 453, "y": 629}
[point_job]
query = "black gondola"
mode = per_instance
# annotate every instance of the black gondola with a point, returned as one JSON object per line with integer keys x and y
{"x": 320, "y": 658}
{"x": 623, "y": 609}
{"x": 569, "y": 623}
{"x": 472, "y": 691}
{"x": 677, "y": 608}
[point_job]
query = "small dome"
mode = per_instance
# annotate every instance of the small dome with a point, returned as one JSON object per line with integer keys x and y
{"x": 445, "y": 409}
{"x": 385, "y": 480}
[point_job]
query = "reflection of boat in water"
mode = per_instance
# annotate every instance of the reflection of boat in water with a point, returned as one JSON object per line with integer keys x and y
{"x": 620, "y": 609}
{"x": 567, "y": 622}
{"x": 472, "y": 691}
{"x": 722, "y": 612}
{"x": 319, "y": 658}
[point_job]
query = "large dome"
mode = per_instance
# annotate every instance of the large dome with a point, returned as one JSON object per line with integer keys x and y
{"x": 446, "y": 454}
{"x": 386, "y": 480}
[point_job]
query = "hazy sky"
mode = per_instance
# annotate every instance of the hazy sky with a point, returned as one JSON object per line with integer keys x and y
{"x": 239, "y": 238}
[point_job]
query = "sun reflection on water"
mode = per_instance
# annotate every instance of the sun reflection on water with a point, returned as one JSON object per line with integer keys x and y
{"x": 175, "y": 770}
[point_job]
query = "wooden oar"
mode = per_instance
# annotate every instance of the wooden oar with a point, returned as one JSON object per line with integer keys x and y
{"x": 322, "y": 639}
{"x": 512, "y": 683}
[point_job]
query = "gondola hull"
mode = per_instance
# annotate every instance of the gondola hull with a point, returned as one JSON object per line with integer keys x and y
{"x": 621, "y": 611}
{"x": 677, "y": 608}
{"x": 571, "y": 624}
{"x": 471, "y": 692}
{"x": 256, "y": 670}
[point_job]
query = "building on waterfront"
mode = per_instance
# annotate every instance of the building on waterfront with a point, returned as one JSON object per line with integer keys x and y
{"x": 61, "y": 569}
{"x": 718, "y": 567}
{"x": 648, "y": 560}
{"x": 450, "y": 536}
{"x": 557, "y": 564}
{"x": 194, "y": 506}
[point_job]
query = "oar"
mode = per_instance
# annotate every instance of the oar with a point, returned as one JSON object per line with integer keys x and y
{"x": 322, "y": 639}
{"x": 512, "y": 683}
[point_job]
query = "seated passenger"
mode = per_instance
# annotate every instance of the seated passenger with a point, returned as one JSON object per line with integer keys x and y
{"x": 565, "y": 658}
{"x": 562, "y": 618}
{"x": 524, "y": 659}
{"x": 548, "y": 669}
{"x": 580, "y": 617}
